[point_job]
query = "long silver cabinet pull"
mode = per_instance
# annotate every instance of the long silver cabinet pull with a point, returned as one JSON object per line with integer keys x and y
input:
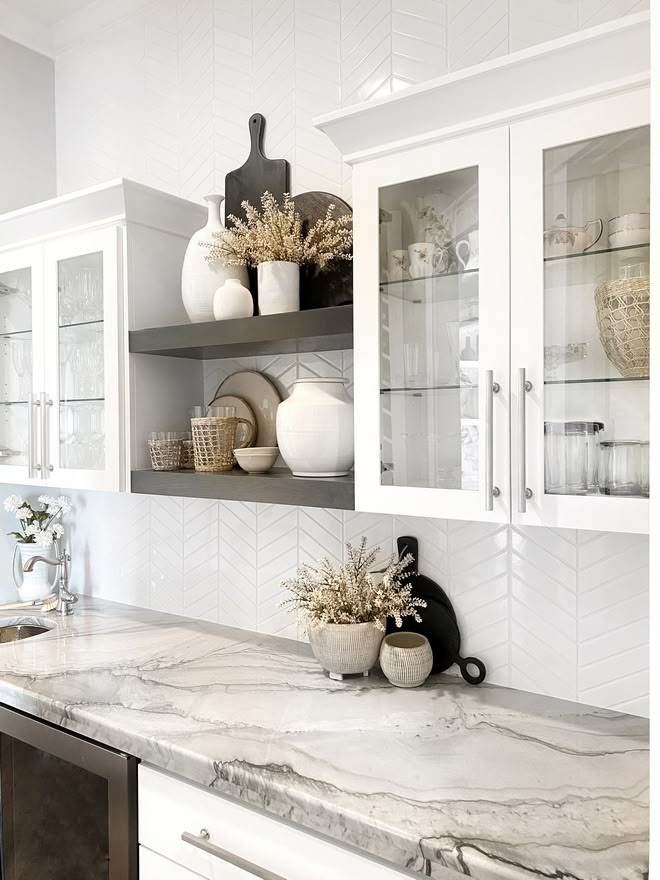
{"x": 524, "y": 387}
{"x": 32, "y": 469}
{"x": 203, "y": 841}
{"x": 492, "y": 388}
{"x": 45, "y": 404}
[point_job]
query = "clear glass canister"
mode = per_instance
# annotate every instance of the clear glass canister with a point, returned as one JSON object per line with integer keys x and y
{"x": 644, "y": 451}
{"x": 567, "y": 457}
{"x": 620, "y": 468}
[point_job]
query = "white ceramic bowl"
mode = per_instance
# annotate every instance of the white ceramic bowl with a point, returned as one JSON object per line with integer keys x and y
{"x": 628, "y": 221}
{"x": 629, "y": 237}
{"x": 257, "y": 459}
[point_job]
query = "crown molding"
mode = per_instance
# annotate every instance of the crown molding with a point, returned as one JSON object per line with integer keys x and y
{"x": 26, "y": 31}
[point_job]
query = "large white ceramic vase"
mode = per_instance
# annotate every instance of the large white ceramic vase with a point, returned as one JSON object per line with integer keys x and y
{"x": 199, "y": 278}
{"x": 315, "y": 428}
{"x": 33, "y": 584}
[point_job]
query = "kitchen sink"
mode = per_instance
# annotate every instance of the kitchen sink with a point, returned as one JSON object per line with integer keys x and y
{"x": 24, "y": 629}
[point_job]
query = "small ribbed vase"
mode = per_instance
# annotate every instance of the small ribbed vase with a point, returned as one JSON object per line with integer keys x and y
{"x": 406, "y": 659}
{"x": 346, "y": 648}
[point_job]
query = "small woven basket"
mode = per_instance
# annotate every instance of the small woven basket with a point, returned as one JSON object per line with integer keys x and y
{"x": 165, "y": 454}
{"x": 214, "y": 441}
{"x": 623, "y": 312}
{"x": 187, "y": 455}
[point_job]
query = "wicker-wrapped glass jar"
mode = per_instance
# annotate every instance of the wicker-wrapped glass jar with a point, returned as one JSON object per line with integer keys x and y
{"x": 623, "y": 315}
{"x": 214, "y": 441}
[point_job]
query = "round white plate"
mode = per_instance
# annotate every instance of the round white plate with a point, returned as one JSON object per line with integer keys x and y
{"x": 262, "y": 397}
{"x": 243, "y": 411}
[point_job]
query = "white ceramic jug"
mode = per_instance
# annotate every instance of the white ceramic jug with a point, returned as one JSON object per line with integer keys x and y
{"x": 467, "y": 251}
{"x": 199, "y": 278}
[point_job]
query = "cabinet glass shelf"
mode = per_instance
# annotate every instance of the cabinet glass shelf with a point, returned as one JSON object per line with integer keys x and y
{"x": 596, "y": 253}
{"x": 93, "y": 323}
{"x": 12, "y": 333}
{"x": 450, "y": 286}
{"x": 592, "y": 381}
{"x": 417, "y": 389}
{"x": 82, "y": 400}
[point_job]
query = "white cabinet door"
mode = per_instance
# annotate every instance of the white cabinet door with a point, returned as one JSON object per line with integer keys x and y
{"x": 580, "y": 316}
{"x": 431, "y": 308}
{"x": 82, "y": 416}
{"x": 155, "y": 867}
{"x": 21, "y": 363}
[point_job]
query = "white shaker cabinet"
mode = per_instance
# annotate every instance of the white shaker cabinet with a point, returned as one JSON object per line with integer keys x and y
{"x": 499, "y": 217}
{"x": 76, "y": 273}
{"x": 186, "y": 831}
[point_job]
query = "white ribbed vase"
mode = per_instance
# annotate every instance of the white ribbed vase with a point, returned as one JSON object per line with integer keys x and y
{"x": 199, "y": 278}
{"x": 406, "y": 659}
{"x": 346, "y": 648}
{"x": 33, "y": 584}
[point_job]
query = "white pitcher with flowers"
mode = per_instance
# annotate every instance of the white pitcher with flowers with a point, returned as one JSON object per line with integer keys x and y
{"x": 38, "y": 532}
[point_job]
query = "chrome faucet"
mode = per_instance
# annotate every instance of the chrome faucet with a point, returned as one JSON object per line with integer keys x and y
{"x": 65, "y": 598}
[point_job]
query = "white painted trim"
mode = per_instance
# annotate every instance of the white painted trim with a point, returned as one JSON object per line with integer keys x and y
{"x": 581, "y": 62}
{"x": 26, "y": 30}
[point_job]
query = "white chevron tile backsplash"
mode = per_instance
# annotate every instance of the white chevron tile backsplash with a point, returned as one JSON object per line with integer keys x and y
{"x": 560, "y": 612}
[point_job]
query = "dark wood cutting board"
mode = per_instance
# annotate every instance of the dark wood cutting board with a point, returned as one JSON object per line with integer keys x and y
{"x": 333, "y": 286}
{"x": 257, "y": 175}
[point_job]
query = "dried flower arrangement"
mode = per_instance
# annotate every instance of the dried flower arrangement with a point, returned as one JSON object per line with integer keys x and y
{"x": 351, "y": 593}
{"x": 276, "y": 233}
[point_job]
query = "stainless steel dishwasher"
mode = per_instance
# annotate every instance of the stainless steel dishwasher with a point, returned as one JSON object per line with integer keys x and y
{"x": 68, "y": 806}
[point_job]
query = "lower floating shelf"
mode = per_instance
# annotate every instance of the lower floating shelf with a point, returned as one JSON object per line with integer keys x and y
{"x": 278, "y": 486}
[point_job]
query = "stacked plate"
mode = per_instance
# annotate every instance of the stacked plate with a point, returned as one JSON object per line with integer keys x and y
{"x": 629, "y": 230}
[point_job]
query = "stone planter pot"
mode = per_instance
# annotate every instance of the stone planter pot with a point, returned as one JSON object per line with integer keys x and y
{"x": 346, "y": 648}
{"x": 406, "y": 659}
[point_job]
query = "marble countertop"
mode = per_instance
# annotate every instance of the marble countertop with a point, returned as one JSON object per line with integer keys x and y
{"x": 491, "y": 782}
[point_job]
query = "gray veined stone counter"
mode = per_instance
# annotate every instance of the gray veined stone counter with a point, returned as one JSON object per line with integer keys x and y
{"x": 492, "y": 782}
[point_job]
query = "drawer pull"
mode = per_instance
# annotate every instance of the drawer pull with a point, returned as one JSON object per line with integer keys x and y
{"x": 203, "y": 841}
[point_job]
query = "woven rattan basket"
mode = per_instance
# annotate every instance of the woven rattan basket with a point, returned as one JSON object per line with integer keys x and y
{"x": 214, "y": 441}
{"x": 165, "y": 454}
{"x": 187, "y": 455}
{"x": 622, "y": 312}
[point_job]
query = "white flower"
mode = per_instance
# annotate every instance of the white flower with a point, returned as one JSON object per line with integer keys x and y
{"x": 12, "y": 503}
{"x": 58, "y": 530}
{"x": 44, "y": 538}
{"x": 23, "y": 513}
{"x": 64, "y": 503}
{"x": 32, "y": 529}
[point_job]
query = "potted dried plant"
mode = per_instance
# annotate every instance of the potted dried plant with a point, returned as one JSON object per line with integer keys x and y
{"x": 272, "y": 239}
{"x": 343, "y": 608}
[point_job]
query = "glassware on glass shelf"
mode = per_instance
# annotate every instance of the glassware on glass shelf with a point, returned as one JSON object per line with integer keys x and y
{"x": 571, "y": 457}
{"x": 21, "y": 353}
{"x": 644, "y": 467}
{"x": 620, "y": 468}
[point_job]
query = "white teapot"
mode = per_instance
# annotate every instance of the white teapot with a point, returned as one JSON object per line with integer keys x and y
{"x": 562, "y": 240}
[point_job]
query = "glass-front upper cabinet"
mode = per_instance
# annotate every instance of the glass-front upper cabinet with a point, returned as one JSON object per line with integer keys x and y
{"x": 21, "y": 362}
{"x": 431, "y": 330}
{"x": 81, "y": 427}
{"x": 580, "y": 316}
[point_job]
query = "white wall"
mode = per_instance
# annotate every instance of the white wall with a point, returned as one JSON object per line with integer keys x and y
{"x": 162, "y": 94}
{"x": 27, "y": 126}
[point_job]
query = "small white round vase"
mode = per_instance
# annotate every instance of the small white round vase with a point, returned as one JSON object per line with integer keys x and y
{"x": 406, "y": 659}
{"x": 232, "y": 300}
{"x": 199, "y": 278}
{"x": 278, "y": 287}
{"x": 315, "y": 428}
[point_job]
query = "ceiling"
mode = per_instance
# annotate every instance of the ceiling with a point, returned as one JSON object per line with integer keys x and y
{"x": 46, "y": 11}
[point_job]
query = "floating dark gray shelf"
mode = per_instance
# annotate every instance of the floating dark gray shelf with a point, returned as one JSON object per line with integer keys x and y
{"x": 278, "y": 486}
{"x": 328, "y": 329}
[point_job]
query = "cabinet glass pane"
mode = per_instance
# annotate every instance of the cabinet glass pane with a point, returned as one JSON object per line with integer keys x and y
{"x": 596, "y": 322}
{"x": 81, "y": 362}
{"x": 429, "y": 331}
{"x": 16, "y": 364}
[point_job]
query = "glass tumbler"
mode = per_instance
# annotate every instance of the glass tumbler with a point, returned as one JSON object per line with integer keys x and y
{"x": 591, "y": 431}
{"x": 620, "y": 468}
{"x": 566, "y": 458}
{"x": 644, "y": 476}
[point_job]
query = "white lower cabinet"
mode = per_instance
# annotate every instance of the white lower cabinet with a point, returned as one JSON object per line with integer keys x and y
{"x": 186, "y": 831}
